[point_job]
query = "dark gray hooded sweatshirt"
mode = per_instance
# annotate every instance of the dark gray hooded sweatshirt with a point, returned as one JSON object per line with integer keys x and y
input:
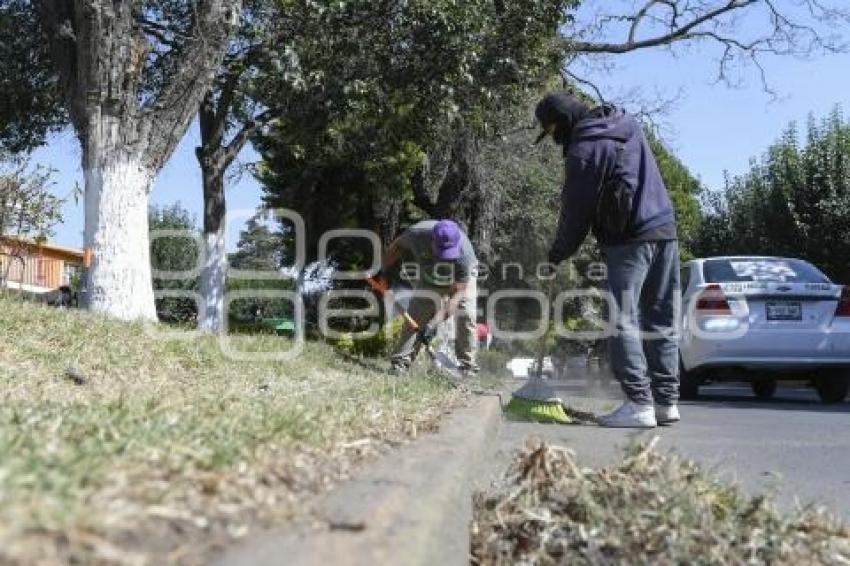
{"x": 591, "y": 156}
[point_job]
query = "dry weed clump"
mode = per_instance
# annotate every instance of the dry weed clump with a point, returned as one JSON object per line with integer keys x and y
{"x": 651, "y": 508}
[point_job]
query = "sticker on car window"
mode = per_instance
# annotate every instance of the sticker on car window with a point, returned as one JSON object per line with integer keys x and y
{"x": 763, "y": 270}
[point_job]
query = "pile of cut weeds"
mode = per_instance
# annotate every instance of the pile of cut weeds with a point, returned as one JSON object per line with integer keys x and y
{"x": 651, "y": 508}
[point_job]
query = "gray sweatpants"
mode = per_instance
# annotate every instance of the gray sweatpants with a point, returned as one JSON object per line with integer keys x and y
{"x": 644, "y": 280}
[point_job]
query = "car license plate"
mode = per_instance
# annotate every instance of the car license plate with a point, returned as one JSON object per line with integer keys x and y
{"x": 784, "y": 310}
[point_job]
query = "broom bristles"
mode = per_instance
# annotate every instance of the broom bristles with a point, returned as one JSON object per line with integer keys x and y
{"x": 537, "y": 411}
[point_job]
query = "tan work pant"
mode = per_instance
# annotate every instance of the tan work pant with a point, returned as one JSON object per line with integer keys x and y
{"x": 422, "y": 307}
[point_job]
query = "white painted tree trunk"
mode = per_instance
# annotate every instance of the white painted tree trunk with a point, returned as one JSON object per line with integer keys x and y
{"x": 99, "y": 53}
{"x": 213, "y": 277}
{"x": 116, "y": 231}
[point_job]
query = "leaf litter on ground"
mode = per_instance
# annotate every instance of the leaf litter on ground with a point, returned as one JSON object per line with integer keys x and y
{"x": 650, "y": 508}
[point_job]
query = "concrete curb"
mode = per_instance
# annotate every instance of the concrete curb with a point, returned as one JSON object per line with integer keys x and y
{"x": 412, "y": 506}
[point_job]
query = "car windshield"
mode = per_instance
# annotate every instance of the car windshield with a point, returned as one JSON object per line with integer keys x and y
{"x": 761, "y": 269}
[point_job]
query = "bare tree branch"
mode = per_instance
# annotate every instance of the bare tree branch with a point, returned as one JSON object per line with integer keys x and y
{"x": 160, "y": 32}
{"x": 249, "y": 128}
{"x": 676, "y": 34}
{"x": 172, "y": 109}
{"x": 638, "y": 17}
{"x": 794, "y": 27}
{"x": 569, "y": 76}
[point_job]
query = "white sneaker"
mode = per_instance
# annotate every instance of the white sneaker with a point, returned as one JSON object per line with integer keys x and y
{"x": 667, "y": 414}
{"x": 630, "y": 415}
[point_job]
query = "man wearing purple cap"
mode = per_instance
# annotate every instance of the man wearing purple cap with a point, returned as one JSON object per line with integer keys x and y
{"x": 442, "y": 264}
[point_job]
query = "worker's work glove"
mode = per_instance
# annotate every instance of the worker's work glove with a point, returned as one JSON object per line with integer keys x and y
{"x": 427, "y": 333}
{"x": 380, "y": 283}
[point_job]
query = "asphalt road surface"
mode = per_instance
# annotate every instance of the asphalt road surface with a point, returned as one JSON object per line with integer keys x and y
{"x": 792, "y": 446}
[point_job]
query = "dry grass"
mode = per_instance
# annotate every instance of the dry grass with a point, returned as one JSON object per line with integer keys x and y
{"x": 117, "y": 446}
{"x": 649, "y": 509}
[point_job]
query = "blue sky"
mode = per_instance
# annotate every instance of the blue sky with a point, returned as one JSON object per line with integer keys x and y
{"x": 712, "y": 128}
{"x": 715, "y": 128}
{"x": 179, "y": 181}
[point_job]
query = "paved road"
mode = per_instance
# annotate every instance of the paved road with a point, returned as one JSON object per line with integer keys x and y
{"x": 792, "y": 445}
{"x": 401, "y": 504}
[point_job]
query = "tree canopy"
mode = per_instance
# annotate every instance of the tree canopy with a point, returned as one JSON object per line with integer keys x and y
{"x": 28, "y": 208}
{"x": 30, "y": 100}
{"x": 685, "y": 191}
{"x": 794, "y": 201}
{"x": 360, "y": 125}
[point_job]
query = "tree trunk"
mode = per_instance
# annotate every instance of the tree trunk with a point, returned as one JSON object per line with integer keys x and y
{"x": 386, "y": 211}
{"x": 214, "y": 157}
{"x": 462, "y": 195}
{"x": 214, "y": 272}
{"x": 100, "y": 49}
{"x": 116, "y": 231}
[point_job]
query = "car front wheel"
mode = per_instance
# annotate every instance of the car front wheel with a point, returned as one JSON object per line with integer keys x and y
{"x": 764, "y": 388}
{"x": 832, "y": 387}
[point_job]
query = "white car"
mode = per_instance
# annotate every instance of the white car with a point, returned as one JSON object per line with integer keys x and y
{"x": 523, "y": 368}
{"x": 761, "y": 319}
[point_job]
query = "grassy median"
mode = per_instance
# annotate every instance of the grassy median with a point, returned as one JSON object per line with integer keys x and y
{"x": 121, "y": 444}
{"x": 651, "y": 508}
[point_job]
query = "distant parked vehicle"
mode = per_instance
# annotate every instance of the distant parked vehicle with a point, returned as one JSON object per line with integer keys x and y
{"x": 523, "y": 368}
{"x": 763, "y": 319}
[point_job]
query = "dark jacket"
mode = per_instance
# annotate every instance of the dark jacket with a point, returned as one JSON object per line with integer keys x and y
{"x": 591, "y": 157}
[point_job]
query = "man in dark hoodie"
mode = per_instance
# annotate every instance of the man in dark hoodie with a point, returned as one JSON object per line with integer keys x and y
{"x": 614, "y": 186}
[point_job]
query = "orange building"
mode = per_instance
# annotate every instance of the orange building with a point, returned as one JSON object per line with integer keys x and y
{"x": 37, "y": 267}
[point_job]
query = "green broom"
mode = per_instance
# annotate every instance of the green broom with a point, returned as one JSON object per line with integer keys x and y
{"x": 536, "y": 401}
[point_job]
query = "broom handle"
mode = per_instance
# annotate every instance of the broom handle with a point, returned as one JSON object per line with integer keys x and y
{"x": 413, "y": 324}
{"x": 541, "y": 352}
{"x": 381, "y": 290}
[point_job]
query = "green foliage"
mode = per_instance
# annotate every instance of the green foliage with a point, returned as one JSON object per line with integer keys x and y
{"x": 684, "y": 190}
{"x": 375, "y": 346}
{"x": 528, "y": 180}
{"x": 360, "y": 122}
{"x": 30, "y": 101}
{"x": 28, "y": 208}
{"x": 360, "y": 125}
{"x": 259, "y": 249}
{"x": 175, "y": 252}
{"x": 262, "y": 249}
{"x": 494, "y": 362}
{"x": 173, "y": 247}
{"x": 242, "y": 309}
{"x": 793, "y": 202}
